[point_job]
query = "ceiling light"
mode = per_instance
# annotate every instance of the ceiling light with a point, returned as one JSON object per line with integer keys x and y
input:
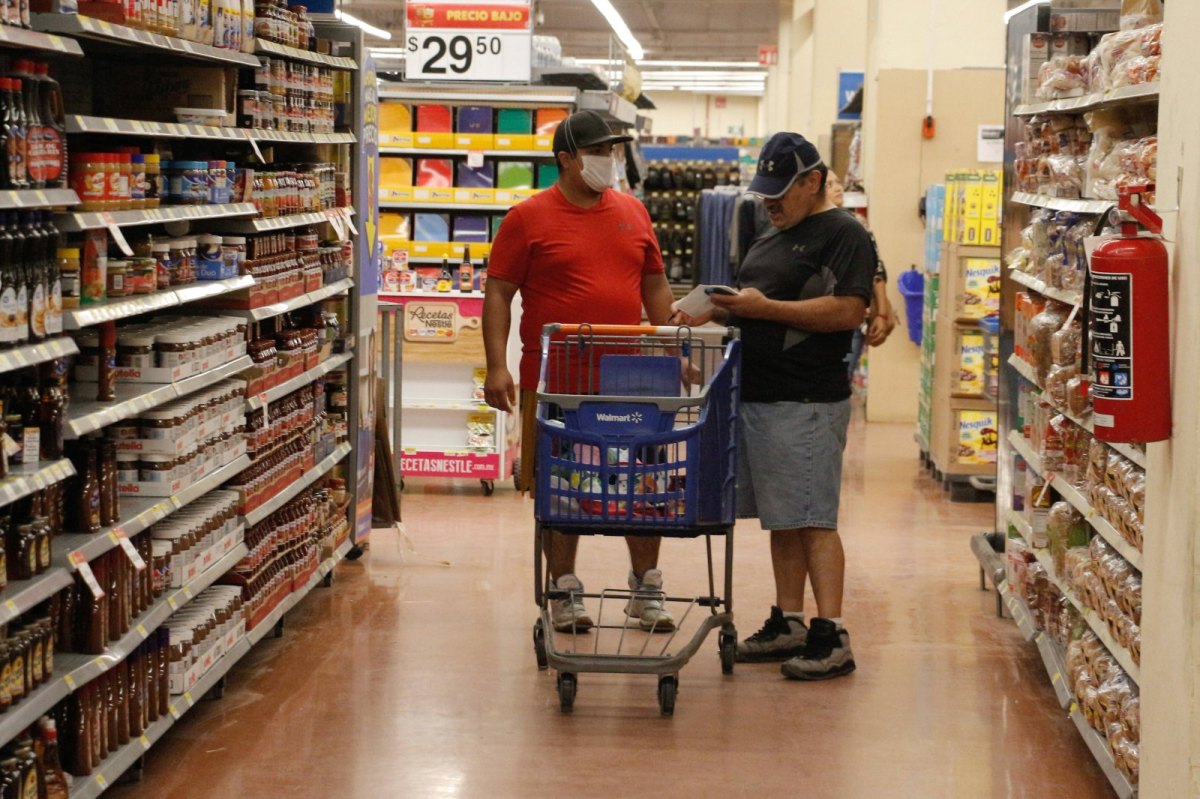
{"x": 605, "y": 7}
{"x": 369, "y": 29}
{"x": 702, "y": 64}
{"x": 703, "y": 73}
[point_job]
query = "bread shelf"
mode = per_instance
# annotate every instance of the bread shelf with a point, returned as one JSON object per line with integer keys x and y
{"x": 285, "y": 222}
{"x": 1098, "y": 746}
{"x": 1020, "y": 614}
{"x": 91, "y": 220}
{"x": 134, "y": 398}
{"x": 77, "y": 123}
{"x": 298, "y": 382}
{"x": 26, "y": 478}
{"x": 1125, "y": 95}
{"x": 270, "y": 311}
{"x": 1063, "y": 204}
{"x": 36, "y": 198}
{"x": 20, "y": 38}
{"x": 122, "y": 38}
{"x": 1030, "y": 282}
{"x": 279, "y": 500}
{"x": 263, "y": 47}
{"x": 123, "y": 307}
{"x": 33, "y": 354}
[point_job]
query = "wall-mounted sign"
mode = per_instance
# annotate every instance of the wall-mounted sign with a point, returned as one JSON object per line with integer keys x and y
{"x": 484, "y": 40}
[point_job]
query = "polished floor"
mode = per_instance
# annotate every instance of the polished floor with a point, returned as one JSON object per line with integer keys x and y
{"x": 414, "y": 675}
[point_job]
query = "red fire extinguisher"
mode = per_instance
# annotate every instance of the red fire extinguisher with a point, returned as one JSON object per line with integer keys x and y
{"x": 1129, "y": 328}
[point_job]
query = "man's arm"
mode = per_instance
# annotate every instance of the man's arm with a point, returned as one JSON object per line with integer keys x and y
{"x": 499, "y": 389}
{"x": 657, "y": 297}
{"x": 817, "y": 315}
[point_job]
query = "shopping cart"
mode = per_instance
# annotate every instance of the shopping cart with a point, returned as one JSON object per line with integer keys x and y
{"x": 636, "y": 436}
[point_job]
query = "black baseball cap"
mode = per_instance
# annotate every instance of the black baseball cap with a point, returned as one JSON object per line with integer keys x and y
{"x": 584, "y": 129}
{"x": 784, "y": 157}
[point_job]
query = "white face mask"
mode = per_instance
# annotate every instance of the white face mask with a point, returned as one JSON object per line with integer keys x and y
{"x": 598, "y": 171}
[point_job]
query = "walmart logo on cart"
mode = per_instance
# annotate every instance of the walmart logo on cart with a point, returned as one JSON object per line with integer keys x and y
{"x": 627, "y": 418}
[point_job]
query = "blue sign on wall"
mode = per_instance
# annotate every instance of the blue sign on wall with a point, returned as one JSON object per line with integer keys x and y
{"x": 848, "y": 84}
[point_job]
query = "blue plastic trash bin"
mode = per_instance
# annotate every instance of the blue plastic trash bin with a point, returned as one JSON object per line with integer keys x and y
{"x": 912, "y": 287}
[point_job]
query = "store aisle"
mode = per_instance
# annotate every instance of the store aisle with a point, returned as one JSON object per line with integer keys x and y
{"x": 415, "y": 680}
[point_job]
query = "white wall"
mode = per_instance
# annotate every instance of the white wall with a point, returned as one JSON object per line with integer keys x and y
{"x": 966, "y": 33}
{"x": 678, "y": 113}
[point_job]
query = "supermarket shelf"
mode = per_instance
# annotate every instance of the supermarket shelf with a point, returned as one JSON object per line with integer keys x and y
{"x": 1021, "y": 526}
{"x": 1024, "y": 369}
{"x": 36, "y": 198}
{"x": 124, "y": 307}
{"x": 75, "y": 222}
{"x": 14, "y": 37}
{"x": 434, "y": 449}
{"x": 139, "y": 513}
{"x": 463, "y": 152}
{"x": 279, "y": 500}
{"x": 33, "y": 354}
{"x": 122, "y": 37}
{"x": 119, "y": 762}
{"x": 579, "y": 77}
{"x": 21, "y": 596}
{"x": 26, "y": 478}
{"x": 175, "y": 598}
{"x": 1120, "y": 653}
{"x": 1038, "y": 285}
{"x": 1056, "y": 668}
{"x": 263, "y": 47}
{"x": 77, "y": 123}
{"x": 284, "y": 222}
{"x": 269, "y": 311}
{"x": 423, "y": 404}
{"x": 1062, "y": 204}
{"x": 135, "y": 398}
{"x": 1140, "y": 93}
{"x": 1098, "y": 746}
{"x": 479, "y": 94}
{"x": 1020, "y": 613}
{"x": 299, "y": 381}
{"x": 267, "y": 624}
{"x": 453, "y": 207}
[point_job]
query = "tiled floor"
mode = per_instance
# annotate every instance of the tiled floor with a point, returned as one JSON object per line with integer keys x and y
{"x": 415, "y": 679}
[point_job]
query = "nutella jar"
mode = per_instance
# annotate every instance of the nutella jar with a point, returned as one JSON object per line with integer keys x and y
{"x": 128, "y": 467}
{"x": 175, "y": 349}
{"x": 161, "y": 425}
{"x": 135, "y": 350}
{"x": 158, "y": 468}
{"x": 123, "y": 431}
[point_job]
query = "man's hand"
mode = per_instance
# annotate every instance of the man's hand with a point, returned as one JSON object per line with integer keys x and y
{"x": 880, "y": 328}
{"x": 749, "y": 303}
{"x": 678, "y": 317}
{"x": 499, "y": 390}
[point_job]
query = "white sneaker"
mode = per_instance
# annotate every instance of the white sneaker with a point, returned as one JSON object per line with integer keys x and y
{"x": 647, "y": 603}
{"x": 569, "y": 615}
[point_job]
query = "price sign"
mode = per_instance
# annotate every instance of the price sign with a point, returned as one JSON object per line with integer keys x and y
{"x": 484, "y": 40}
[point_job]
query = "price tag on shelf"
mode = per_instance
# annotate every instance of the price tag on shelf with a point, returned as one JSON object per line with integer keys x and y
{"x": 349, "y": 217}
{"x": 172, "y": 604}
{"x": 461, "y": 40}
{"x": 84, "y": 569}
{"x": 187, "y": 696}
{"x": 11, "y": 607}
{"x": 114, "y": 230}
{"x": 145, "y": 742}
{"x": 101, "y": 781}
{"x": 141, "y": 630}
{"x": 254, "y": 144}
{"x": 131, "y": 552}
{"x": 475, "y": 158}
{"x": 334, "y": 215}
{"x": 111, "y": 124}
{"x": 174, "y": 711}
{"x": 41, "y": 197}
{"x": 70, "y": 681}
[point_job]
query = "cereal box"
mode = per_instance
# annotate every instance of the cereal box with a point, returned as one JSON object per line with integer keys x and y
{"x": 981, "y": 288}
{"x": 969, "y": 380}
{"x": 977, "y": 437}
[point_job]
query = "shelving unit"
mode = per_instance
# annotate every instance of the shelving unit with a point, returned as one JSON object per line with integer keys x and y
{"x": 72, "y": 554}
{"x": 279, "y": 500}
{"x": 1018, "y": 376}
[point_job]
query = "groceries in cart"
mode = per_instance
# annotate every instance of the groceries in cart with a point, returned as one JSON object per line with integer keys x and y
{"x": 646, "y": 478}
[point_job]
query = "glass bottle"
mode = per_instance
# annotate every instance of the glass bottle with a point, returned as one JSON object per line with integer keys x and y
{"x": 53, "y": 408}
{"x": 54, "y": 300}
{"x": 35, "y": 266}
{"x": 20, "y": 254}
{"x": 21, "y": 166}
{"x": 53, "y": 147}
{"x": 56, "y": 780}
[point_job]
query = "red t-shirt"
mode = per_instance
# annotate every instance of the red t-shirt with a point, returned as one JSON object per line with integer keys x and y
{"x": 574, "y": 265}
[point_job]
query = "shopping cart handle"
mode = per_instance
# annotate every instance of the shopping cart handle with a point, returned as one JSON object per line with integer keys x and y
{"x": 555, "y": 328}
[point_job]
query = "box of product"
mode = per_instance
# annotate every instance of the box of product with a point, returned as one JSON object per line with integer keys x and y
{"x": 395, "y": 178}
{"x": 980, "y": 295}
{"x": 434, "y": 173}
{"x": 161, "y": 90}
{"x": 475, "y": 177}
{"x": 470, "y": 229}
{"x": 968, "y": 381}
{"x": 992, "y": 195}
{"x": 514, "y": 175}
{"x": 1086, "y": 20}
{"x": 474, "y": 128}
{"x": 431, "y": 227}
{"x": 547, "y": 175}
{"x": 1035, "y": 53}
{"x": 970, "y": 213}
{"x": 977, "y": 437}
{"x": 1070, "y": 44}
{"x": 395, "y": 124}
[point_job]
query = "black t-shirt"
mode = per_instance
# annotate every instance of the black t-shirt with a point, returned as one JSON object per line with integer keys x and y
{"x": 828, "y": 254}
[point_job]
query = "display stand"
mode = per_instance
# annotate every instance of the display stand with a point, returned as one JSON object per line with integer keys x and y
{"x": 76, "y": 555}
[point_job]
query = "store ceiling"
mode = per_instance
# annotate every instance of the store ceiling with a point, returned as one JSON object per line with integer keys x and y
{"x": 717, "y": 30}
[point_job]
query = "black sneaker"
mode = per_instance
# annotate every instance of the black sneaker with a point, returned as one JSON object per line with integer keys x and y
{"x": 826, "y": 655}
{"x": 780, "y": 638}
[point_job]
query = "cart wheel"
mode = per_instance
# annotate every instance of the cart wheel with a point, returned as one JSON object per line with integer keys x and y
{"x": 566, "y": 691}
{"x": 517, "y": 484}
{"x": 489, "y": 487}
{"x": 727, "y": 644}
{"x": 539, "y": 645}
{"x": 668, "y": 686}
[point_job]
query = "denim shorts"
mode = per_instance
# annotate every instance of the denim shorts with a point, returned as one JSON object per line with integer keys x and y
{"x": 790, "y": 463}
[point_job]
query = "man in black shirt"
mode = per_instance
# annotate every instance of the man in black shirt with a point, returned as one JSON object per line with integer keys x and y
{"x": 804, "y": 286}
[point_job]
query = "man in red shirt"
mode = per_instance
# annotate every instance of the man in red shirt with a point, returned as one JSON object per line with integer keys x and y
{"x": 578, "y": 253}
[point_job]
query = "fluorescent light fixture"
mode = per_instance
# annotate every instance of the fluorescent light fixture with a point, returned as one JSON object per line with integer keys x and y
{"x": 600, "y": 62}
{"x": 670, "y": 74}
{"x": 389, "y": 52}
{"x": 605, "y": 7}
{"x": 368, "y": 28}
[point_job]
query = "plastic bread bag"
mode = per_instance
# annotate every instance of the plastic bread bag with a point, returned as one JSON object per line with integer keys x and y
{"x": 1063, "y": 76}
{"x": 1140, "y": 13}
{"x": 1066, "y": 175}
{"x": 1134, "y": 71}
{"x": 1131, "y": 715}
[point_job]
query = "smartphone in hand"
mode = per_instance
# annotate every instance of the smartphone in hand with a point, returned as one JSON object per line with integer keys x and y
{"x": 726, "y": 290}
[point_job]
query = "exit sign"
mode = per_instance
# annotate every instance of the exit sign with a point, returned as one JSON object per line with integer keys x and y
{"x": 768, "y": 55}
